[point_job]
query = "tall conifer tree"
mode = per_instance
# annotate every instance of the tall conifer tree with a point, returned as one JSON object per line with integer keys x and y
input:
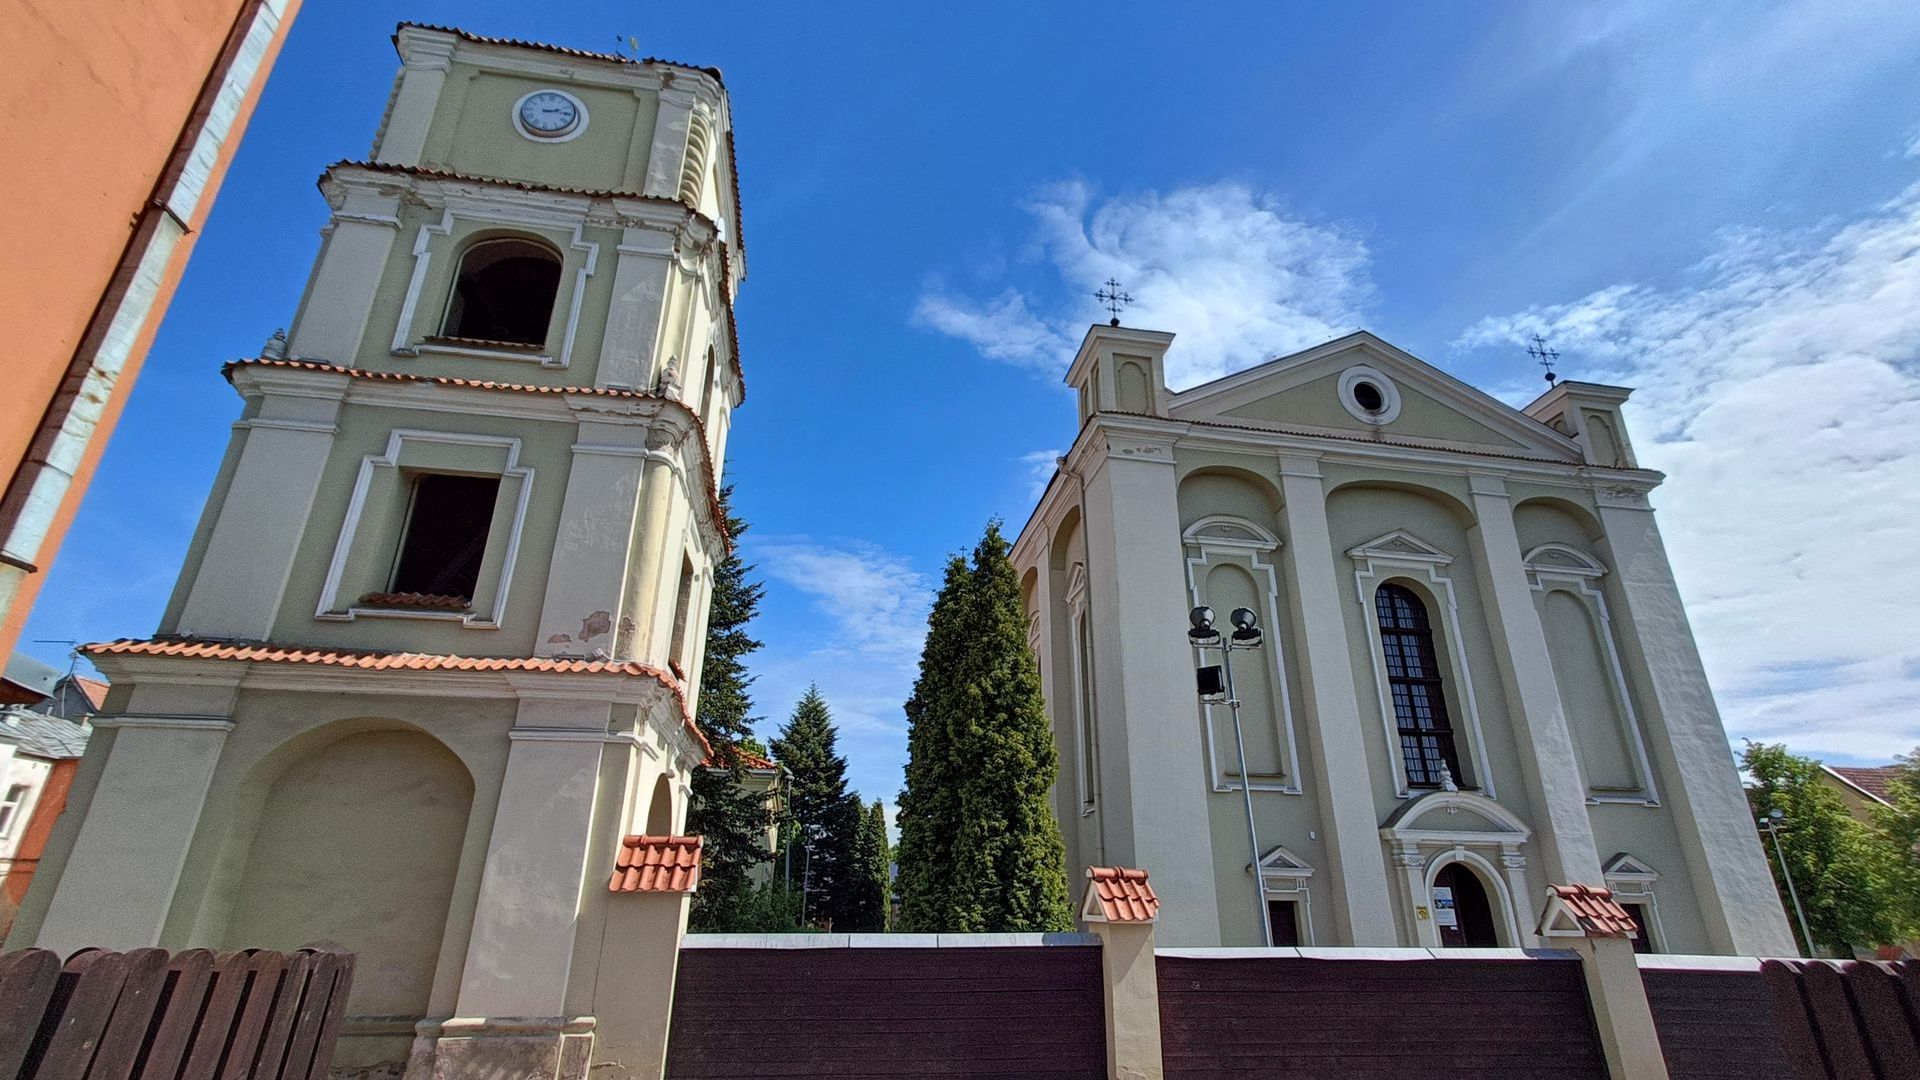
{"x": 979, "y": 847}
{"x": 826, "y": 818}
{"x": 867, "y": 909}
{"x": 731, "y": 819}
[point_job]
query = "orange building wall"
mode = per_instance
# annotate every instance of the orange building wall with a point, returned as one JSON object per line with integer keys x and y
{"x": 103, "y": 98}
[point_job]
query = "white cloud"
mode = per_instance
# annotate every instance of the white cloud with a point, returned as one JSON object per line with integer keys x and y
{"x": 1779, "y": 388}
{"x": 1239, "y": 278}
{"x": 863, "y": 651}
{"x": 1040, "y": 466}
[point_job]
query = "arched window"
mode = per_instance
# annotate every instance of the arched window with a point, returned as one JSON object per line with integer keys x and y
{"x": 504, "y": 292}
{"x": 1413, "y": 677}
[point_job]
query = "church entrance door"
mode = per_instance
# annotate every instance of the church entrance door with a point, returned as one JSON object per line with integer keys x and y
{"x": 1461, "y": 909}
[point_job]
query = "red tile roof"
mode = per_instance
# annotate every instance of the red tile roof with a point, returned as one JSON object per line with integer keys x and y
{"x": 95, "y": 689}
{"x": 194, "y": 648}
{"x": 1595, "y": 910}
{"x": 713, "y": 495}
{"x": 1875, "y": 780}
{"x": 1123, "y": 893}
{"x": 657, "y": 864}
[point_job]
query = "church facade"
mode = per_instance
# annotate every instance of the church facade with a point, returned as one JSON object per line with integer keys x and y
{"x": 1475, "y": 677}
{"x": 435, "y": 647}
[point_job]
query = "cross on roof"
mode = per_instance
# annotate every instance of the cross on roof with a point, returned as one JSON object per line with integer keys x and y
{"x": 1539, "y": 351}
{"x": 1113, "y": 299}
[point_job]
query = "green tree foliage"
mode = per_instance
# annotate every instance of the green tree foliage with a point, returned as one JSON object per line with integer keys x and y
{"x": 979, "y": 847}
{"x": 730, "y": 817}
{"x": 871, "y": 854}
{"x": 1900, "y": 824}
{"x": 826, "y": 818}
{"x": 1847, "y": 874}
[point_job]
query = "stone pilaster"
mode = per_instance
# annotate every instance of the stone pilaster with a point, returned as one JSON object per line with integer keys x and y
{"x": 1547, "y": 757}
{"x": 1363, "y": 912}
{"x": 1154, "y": 804}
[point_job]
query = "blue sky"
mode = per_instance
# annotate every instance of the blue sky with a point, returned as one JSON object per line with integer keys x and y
{"x": 1714, "y": 202}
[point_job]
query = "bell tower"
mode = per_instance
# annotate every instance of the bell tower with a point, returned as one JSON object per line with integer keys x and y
{"x": 463, "y": 533}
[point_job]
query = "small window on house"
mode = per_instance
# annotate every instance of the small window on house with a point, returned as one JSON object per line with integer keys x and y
{"x": 10, "y": 808}
{"x": 1283, "y": 916}
{"x": 446, "y": 536}
{"x": 1413, "y": 678}
{"x": 504, "y": 293}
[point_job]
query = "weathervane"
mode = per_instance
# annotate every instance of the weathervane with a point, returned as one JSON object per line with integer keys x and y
{"x": 1113, "y": 299}
{"x": 1539, "y": 351}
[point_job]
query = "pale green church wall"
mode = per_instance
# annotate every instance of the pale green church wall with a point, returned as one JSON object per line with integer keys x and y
{"x": 1316, "y": 403}
{"x": 546, "y": 448}
{"x": 1648, "y": 833}
{"x": 66, "y": 829}
{"x": 611, "y": 798}
{"x": 472, "y": 132}
{"x": 436, "y": 292}
{"x": 203, "y": 531}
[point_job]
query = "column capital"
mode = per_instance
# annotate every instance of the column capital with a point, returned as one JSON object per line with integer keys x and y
{"x": 1487, "y": 484}
{"x": 1303, "y": 465}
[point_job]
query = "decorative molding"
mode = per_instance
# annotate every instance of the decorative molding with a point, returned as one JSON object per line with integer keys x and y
{"x": 1568, "y": 569}
{"x": 1374, "y": 562}
{"x": 1390, "y": 394}
{"x": 1245, "y": 552}
{"x": 331, "y": 606}
{"x": 1622, "y": 496}
{"x": 1227, "y": 531}
{"x": 161, "y": 722}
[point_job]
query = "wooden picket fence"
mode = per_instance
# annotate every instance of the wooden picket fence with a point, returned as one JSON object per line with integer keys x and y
{"x": 1841, "y": 1021}
{"x": 146, "y": 1014}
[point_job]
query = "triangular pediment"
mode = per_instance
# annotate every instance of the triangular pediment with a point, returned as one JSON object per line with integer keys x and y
{"x": 1400, "y": 544}
{"x": 1309, "y": 392}
{"x": 1559, "y": 558}
{"x": 1626, "y": 867}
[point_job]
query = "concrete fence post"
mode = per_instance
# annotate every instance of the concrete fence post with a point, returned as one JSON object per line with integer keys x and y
{"x": 1600, "y": 932}
{"x": 653, "y": 885}
{"x": 1121, "y": 908}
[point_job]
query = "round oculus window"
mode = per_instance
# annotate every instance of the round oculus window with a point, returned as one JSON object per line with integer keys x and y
{"x": 1368, "y": 397}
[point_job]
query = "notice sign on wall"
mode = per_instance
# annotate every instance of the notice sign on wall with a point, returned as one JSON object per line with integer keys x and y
{"x": 1443, "y": 914}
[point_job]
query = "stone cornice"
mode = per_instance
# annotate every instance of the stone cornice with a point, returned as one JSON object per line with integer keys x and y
{"x": 681, "y": 426}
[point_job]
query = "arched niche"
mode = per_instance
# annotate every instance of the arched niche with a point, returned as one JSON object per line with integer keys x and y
{"x": 1219, "y": 490}
{"x": 660, "y": 809}
{"x": 1419, "y": 507}
{"x": 355, "y": 839}
{"x": 1547, "y": 520}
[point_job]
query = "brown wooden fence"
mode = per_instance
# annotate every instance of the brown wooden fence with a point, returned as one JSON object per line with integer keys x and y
{"x": 149, "y": 1015}
{"x": 1518, "y": 1018}
{"x": 1801, "y": 1020}
{"x": 1027, "y": 1011}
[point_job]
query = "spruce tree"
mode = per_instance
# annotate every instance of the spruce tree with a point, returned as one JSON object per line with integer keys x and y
{"x": 731, "y": 819}
{"x": 979, "y": 846}
{"x": 826, "y": 819}
{"x": 867, "y": 908}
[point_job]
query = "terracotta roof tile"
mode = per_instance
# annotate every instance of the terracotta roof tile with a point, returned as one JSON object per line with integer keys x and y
{"x": 196, "y": 648}
{"x": 657, "y": 864}
{"x": 1595, "y": 910}
{"x": 1875, "y": 780}
{"x": 1123, "y": 894}
{"x": 713, "y": 495}
{"x": 94, "y": 689}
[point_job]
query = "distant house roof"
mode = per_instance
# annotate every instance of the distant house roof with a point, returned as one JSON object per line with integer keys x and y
{"x": 657, "y": 864}
{"x": 27, "y": 679}
{"x": 42, "y": 736}
{"x": 1873, "y": 781}
{"x": 76, "y": 697}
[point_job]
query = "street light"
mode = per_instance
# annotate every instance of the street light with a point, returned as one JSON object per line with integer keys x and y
{"x": 1217, "y": 681}
{"x": 1776, "y": 820}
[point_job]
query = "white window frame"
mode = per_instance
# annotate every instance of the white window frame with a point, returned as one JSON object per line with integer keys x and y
{"x": 1402, "y": 554}
{"x": 1632, "y": 882}
{"x": 1081, "y": 660}
{"x": 16, "y": 800}
{"x": 1220, "y": 539}
{"x": 334, "y": 607}
{"x": 1570, "y": 570}
{"x": 1284, "y": 877}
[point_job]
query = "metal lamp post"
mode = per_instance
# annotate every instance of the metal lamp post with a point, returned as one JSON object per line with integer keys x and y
{"x": 1217, "y": 681}
{"x": 1776, "y": 820}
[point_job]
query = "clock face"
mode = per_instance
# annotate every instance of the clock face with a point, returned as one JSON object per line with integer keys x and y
{"x": 549, "y": 113}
